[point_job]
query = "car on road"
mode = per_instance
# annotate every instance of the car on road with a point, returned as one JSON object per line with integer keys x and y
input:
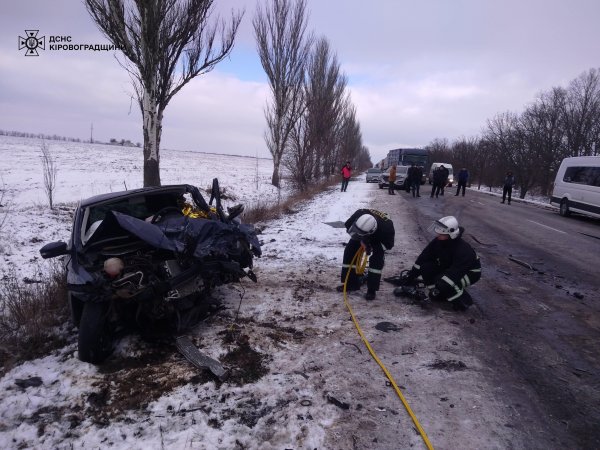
{"x": 373, "y": 175}
{"x": 147, "y": 259}
{"x": 401, "y": 178}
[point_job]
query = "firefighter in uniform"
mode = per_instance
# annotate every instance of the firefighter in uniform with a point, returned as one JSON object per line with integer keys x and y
{"x": 447, "y": 265}
{"x": 373, "y": 230}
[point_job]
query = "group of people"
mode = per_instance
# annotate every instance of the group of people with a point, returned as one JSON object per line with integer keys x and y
{"x": 446, "y": 266}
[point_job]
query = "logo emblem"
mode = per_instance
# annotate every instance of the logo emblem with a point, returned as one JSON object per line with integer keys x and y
{"x": 32, "y": 43}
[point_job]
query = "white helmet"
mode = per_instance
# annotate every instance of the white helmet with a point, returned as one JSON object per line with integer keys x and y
{"x": 363, "y": 226}
{"x": 447, "y": 225}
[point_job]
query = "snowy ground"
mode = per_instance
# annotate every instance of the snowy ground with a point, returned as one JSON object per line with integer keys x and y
{"x": 300, "y": 376}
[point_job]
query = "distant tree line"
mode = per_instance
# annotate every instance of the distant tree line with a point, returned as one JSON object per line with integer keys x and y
{"x": 312, "y": 128}
{"x": 52, "y": 137}
{"x": 55, "y": 137}
{"x": 559, "y": 123}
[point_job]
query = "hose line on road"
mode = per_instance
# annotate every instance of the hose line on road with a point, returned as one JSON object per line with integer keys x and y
{"x": 360, "y": 258}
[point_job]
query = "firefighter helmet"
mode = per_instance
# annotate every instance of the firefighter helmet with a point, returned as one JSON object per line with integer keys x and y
{"x": 363, "y": 226}
{"x": 447, "y": 225}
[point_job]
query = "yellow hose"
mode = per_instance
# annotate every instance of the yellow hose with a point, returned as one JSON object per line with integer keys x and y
{"x": 357, "y": 257}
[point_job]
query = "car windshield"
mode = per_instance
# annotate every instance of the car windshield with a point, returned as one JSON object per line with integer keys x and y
{"x": 140, "y": 207}
{"x": 374, "y": 171}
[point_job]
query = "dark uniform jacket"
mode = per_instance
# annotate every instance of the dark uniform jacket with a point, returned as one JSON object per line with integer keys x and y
{"x": 385, "y": 227}
{"x": 453, "y": 258}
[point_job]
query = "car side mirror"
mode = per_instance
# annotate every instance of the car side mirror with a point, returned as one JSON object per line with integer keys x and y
{"x": 54, "y": 249}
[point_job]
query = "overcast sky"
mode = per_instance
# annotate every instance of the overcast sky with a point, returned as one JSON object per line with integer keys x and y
{"x": 417, "y": 70}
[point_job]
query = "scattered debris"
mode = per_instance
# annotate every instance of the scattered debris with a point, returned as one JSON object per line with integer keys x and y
{"x": 198, "y": 359}
{"x": 337, "y": 224}
{"x": 578, "y": 295}
{"x": 25, "y": 383}
{"x": 449, "y": 365}
{"x": 387, "y": 326}
{"x": 522, "y": 263}
{"x": 331, "y": 399}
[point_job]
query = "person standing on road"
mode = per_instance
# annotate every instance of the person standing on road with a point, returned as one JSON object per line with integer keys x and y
{"x": 440, "y": 179}
{"x": 392, "y": 180}
{"x": 346, "y": 174}
{"x": 373, "y": 230}
{"x": 509, "y": 182}
{"x": 447, "y": 265}
{"x": 445, "y": 173}
{"x": 463, "y": 178}
{"x": 415, "y": 173}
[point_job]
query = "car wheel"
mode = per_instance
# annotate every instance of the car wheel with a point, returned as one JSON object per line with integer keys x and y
{"x": 76, "y": 305}
{"x": 380, "y": 186}
{"x": 95, "y": 341}
{"x": 564, "y": 208}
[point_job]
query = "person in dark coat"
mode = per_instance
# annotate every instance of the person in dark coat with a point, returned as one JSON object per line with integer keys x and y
{"x": 447, "y": 265}
{"x": 509, "y": 182}
{"x": 414, "y": 175}
{"x": 373, "y": 230}
{"x": 463, "y": 178}
{"x": 440, "y": 179}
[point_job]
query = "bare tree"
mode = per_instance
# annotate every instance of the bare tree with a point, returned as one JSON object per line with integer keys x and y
{"x": 167, "y": 43}
{"x": 327, "y": 103}
{"x": 581, "y": 113}
{"x": 49, "y": 170}
{"x": 283, "y": 48}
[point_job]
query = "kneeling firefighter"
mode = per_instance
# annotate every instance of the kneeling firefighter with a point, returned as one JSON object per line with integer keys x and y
{"x": 372, "y": 230}
{"x": 447, "y": 265}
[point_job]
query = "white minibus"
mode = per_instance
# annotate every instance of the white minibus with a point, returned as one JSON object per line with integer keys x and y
{"x": 577, "y": 186}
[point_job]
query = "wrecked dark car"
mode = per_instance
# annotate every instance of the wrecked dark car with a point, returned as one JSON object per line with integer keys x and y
{"x": 147, "y": 259}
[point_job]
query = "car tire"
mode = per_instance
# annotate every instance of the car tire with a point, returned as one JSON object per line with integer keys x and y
{"x": 564, "y": 208}
{"x": 76, "y": 306}
{"x": 380, "y": 186}
{"x": 95, "y": 340}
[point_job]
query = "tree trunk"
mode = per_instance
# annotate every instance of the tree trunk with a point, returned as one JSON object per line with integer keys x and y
{"x": 275, "y": 178}
{"x": 152, "y": 123}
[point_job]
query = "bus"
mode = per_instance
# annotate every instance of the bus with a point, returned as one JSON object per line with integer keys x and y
{"x": 406, "y": 156}
{"x": 577, "y": 186}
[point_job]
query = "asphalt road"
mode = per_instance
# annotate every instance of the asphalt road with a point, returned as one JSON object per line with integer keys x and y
{"x": 537, "y": 309}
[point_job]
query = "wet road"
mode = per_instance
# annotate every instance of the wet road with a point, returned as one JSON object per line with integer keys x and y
{"x": 537, "y": 310}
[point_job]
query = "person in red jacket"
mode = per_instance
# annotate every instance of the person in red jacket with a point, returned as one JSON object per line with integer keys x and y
{"x": 346, "y": 174}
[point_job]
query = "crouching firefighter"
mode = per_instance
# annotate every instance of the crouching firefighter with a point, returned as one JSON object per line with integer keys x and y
{"x": 372, "y": 230}
{"x": 447, "y": 265}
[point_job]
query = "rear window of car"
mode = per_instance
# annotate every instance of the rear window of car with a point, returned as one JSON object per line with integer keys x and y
{"x": 374, "y": 171}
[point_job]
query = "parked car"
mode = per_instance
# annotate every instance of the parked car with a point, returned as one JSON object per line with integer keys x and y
{"x": 373, "y": 175}
{"x": 146, "y": 260}
{"x": 401, "y": 178}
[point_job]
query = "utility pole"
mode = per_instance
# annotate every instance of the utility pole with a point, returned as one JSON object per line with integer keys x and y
{"x": 92, "y": 134}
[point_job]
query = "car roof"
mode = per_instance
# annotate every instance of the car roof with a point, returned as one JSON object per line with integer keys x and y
{"x": 177, "y": 188}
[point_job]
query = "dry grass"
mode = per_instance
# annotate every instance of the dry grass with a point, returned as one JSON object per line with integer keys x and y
{"x": 264, "y": 211}
{"x": 31, "y": 312}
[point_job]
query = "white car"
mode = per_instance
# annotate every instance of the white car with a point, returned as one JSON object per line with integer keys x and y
{"x": 373, "y": 175}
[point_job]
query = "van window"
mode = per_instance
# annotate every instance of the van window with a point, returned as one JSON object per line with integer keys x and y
{"x": 589, "y": 176}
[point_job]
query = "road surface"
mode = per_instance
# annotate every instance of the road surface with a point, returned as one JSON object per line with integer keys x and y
{"x": 539, "y": 307}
